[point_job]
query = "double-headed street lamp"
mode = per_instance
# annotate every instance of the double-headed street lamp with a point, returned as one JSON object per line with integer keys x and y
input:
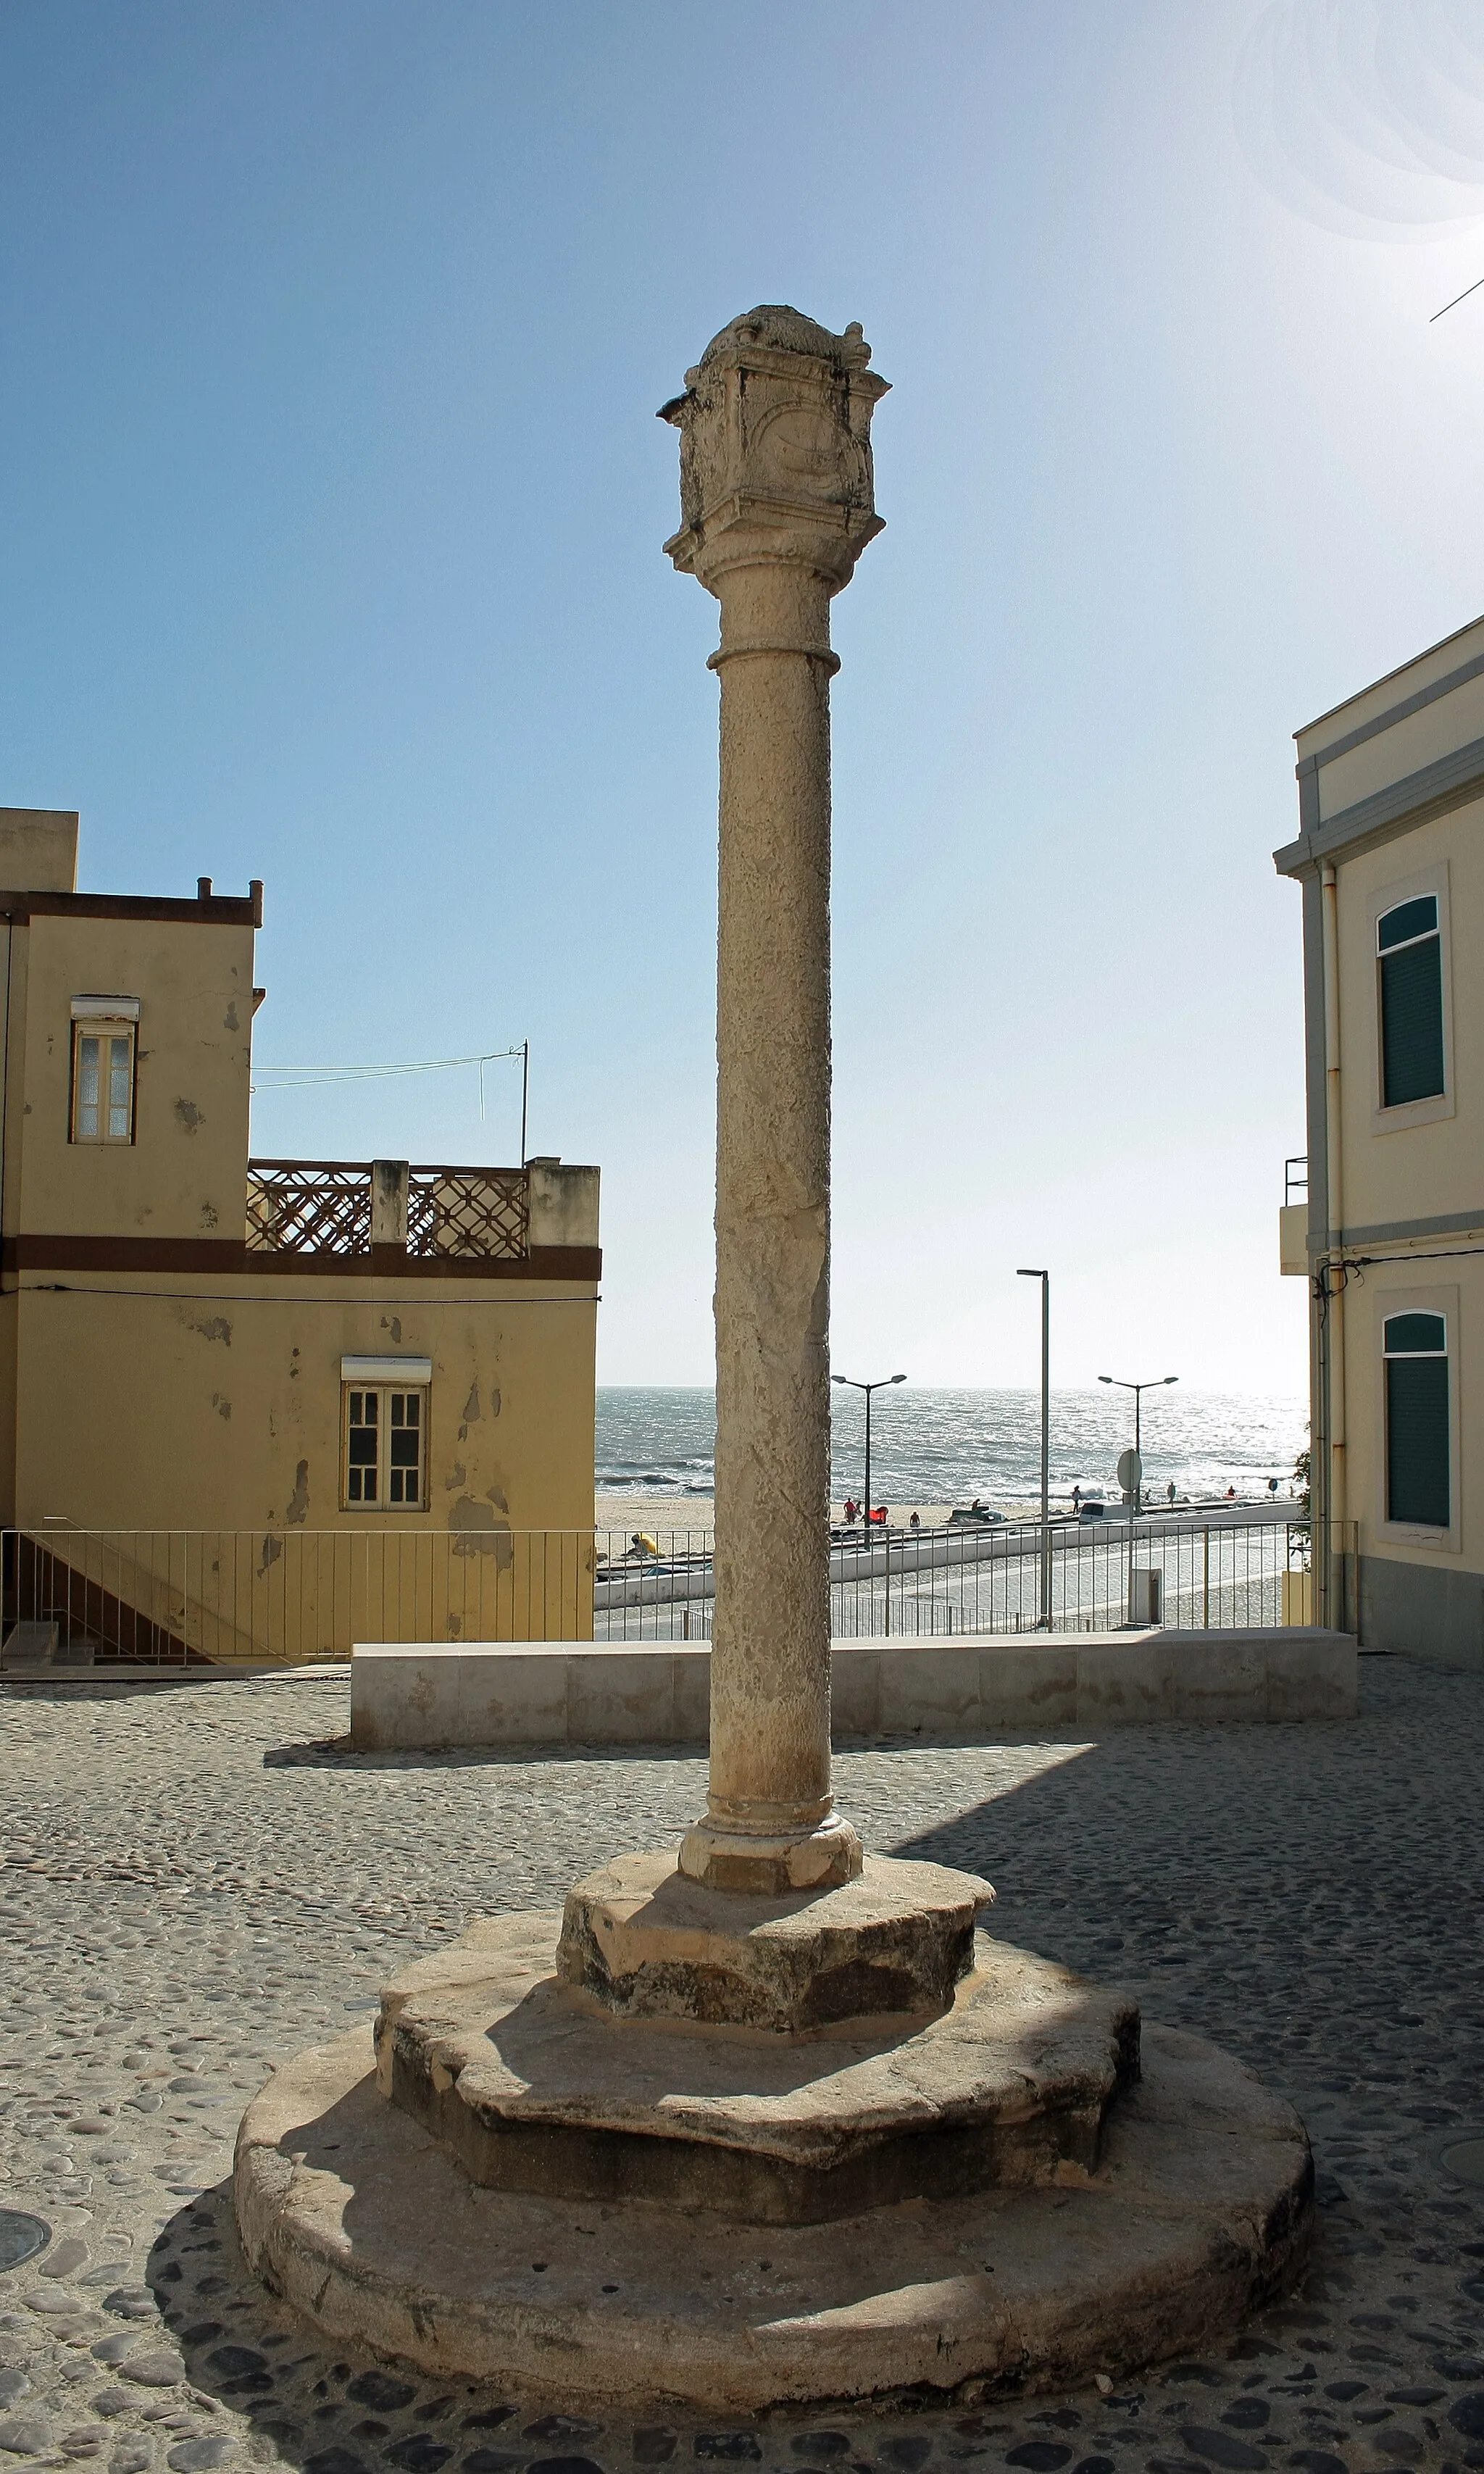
{"x": 1043, "y": 1620}
{"x": 883, "y": 1384}
{"x": 1138, "y": 1389}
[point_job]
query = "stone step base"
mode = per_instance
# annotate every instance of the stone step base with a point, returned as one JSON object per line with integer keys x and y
{"x": 1200, "y": 2210}
{"x": 534, "y": 2087}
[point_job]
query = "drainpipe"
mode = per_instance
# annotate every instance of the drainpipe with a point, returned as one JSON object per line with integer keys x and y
{"x": 1337, "y": 1508}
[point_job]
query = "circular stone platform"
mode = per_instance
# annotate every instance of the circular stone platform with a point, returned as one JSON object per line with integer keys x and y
{"x": 1198, "y": 2210}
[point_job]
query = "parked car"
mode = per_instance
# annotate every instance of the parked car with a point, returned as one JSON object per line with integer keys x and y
{"x": 976, "y": 1514}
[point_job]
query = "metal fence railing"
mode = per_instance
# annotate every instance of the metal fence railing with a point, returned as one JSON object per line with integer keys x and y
{"x": 236, "y": 1597}
{"x": 287, "y": 1597}
{"x": 1213, "y": 1568}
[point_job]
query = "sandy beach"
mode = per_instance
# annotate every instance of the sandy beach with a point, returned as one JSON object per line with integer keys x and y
{"x": 669, "y": 1515}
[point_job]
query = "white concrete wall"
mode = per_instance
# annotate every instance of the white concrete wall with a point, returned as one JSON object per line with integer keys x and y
{"x": 657, "y": 1692}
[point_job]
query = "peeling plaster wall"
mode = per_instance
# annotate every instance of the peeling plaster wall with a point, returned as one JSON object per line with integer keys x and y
{"x": 213, "y": 1401}
{"x": 39, "y": 849}
{"x": 185, "y": 1173}
{"x": 140, "y": 1410}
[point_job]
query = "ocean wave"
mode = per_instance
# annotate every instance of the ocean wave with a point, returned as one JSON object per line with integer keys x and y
{"x": 947, "y": 1447}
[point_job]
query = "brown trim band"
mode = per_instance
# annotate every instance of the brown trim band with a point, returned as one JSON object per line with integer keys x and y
{"x": 214, "y": 909}
{"x": 228, "y": 1257}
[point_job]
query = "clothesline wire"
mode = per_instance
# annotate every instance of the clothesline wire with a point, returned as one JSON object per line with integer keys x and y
{"x": 303, "y": 1073}
{"x": 1453, "y": 303}
{"x": 303, "y": 1078}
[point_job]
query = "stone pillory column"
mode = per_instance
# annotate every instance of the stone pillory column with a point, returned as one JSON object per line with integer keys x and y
{"x": 776, "y": 494}
{"x": 851, "y": 2041}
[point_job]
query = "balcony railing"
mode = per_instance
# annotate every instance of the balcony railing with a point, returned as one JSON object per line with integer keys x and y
{"x": 345, "y": 1208}
{"x": 467, "y": 1212}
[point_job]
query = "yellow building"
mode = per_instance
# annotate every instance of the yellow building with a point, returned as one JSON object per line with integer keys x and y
{"x": 1391, "y": 862}
{"x": 258, "y": 1408}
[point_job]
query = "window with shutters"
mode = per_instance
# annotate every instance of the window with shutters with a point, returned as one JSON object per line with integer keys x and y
{"x": 102, "y": 1083}
{"x": 1409, "y": 967}
{"x": 1419, "y": 1419}
{"x": 386, "y": 1447}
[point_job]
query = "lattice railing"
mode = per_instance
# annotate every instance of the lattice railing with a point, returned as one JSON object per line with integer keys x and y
{"x": 453, "y": 1211}
{"x": 324, "y": 1207}
{"x": 308, "y": 1207}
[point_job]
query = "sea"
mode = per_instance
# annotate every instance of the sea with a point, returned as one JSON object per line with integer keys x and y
{"x": 948, "y": 1446}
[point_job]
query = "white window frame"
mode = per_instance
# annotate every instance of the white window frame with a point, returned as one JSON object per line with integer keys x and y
{"x": 102, "y": 1027}
{"x": 1444, "y": 1301}
{"x": 353, "y": 1391}
{"x": 1441, "y": 1103}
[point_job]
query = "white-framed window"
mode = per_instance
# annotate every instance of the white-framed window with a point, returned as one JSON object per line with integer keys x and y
{"x": 385, "y": 1446}
{"x": 1419, "y": 1419}
{"x": 102, "y": 1081}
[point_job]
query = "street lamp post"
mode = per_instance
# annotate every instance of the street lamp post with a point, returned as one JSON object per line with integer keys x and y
{"x": 1138, "y": 1389}
{"x": 1152, "y": 1383}
{"x": 883, "y": 1383}
{"x": 1043, "y": 1621}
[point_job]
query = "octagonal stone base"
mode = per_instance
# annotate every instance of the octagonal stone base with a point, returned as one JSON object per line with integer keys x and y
{"x": 1198, "y": 2210}
{"x": 760, "y": 1866}
{"x": 647, "y": 1941}
{"x": 533, "y": 2086}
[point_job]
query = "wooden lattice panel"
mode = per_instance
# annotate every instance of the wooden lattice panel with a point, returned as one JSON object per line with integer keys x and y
{"x": 467, "y": 1212}
{"x": 308, "y": 1207}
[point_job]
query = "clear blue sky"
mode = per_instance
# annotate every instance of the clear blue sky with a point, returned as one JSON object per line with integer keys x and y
{"x": 331, "y": 499}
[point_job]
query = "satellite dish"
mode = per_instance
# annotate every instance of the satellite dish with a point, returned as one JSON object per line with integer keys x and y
{"x": 1131, "y": 1471}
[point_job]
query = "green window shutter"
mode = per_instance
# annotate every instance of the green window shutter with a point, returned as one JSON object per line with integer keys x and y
{"x": 1416, "y": 1335}
{"x": 1409, "y": 919}
{"x": 1417, "y": 1455}
{"x": 1411, "y": 1022}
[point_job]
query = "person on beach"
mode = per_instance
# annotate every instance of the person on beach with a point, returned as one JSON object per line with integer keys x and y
{"x": 1077, "y": 1499}
{"x": 851, "y": 1509}
{"x": 1170, "y": 1492}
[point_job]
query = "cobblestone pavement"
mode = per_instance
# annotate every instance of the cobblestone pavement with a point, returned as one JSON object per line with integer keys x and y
{"x": 194, "y": 1884}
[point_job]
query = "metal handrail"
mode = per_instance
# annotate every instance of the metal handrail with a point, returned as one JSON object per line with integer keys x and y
{"x": 291, "y": 1596}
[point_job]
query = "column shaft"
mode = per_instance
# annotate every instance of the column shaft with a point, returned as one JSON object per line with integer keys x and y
{"x": 776, "y": 505}
{"x": 770, "y": 1661}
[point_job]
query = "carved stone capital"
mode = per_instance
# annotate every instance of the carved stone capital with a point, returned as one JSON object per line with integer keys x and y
{"x": 775, "y": 450}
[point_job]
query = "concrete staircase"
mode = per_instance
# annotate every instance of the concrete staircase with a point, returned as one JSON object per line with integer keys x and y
{"x": 38, "y": 1649}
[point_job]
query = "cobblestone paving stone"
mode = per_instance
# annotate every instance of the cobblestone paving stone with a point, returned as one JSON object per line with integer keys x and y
{"x": 196, "y": 1884}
